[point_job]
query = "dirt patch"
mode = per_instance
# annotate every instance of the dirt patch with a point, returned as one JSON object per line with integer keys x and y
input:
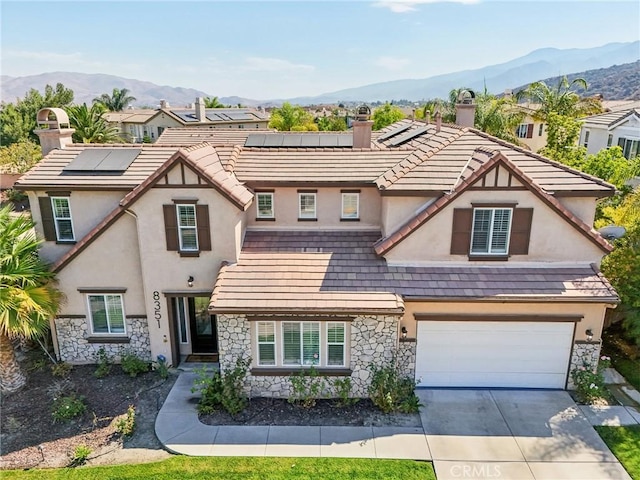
{"x": 31, "y": 439}
{"x": 274, "y": 411}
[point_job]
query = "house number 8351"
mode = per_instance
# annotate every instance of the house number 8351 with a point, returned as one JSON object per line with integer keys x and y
{"x": 156, "y": 307}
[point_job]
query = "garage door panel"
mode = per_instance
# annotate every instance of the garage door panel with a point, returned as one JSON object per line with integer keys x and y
{"x": 493, "y": 354}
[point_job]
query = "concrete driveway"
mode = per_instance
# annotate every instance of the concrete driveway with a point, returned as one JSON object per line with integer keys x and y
{"x": 513, "y": 434}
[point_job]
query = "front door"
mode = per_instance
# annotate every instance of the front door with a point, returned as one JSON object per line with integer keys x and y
{"x": 196, "y": 329}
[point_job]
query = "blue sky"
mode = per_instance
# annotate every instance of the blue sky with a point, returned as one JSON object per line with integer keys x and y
{"x": 271, "y": 49}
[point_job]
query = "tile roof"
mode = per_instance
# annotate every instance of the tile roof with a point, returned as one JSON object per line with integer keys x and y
{"x": 480, "y": 163}
{"x": 610, "y": 118}
{"x": 214, "y": 136}
{"x": 329, "y": 271}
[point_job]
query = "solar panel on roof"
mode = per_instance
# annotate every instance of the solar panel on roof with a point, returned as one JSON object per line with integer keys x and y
{"x": 185, "y": 115}
{"x": 393, "y": 133}
{"x": 408, "y": 136}
{"x": 102, "y": 161}
{"x": 255, "y": 140}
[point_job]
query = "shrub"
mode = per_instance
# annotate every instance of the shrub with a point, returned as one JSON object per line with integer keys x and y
{"x": 104, "y": 363}
{"x": 307, "y": 387}
{"x": 161, "y": 367}
{"x": 133, "y": 365}
{"x": 15, "y": 195}
{"x": 80, "y": 455}
{"x": 589, "y": 381}
{"x": 61, "y": 369}
{"x": 68, "y": 407}
{"x": 391, "y": 391}
{"x": 343, "y": 391}
{"x": 36, "y": 364}
{"x": 224, "y": 390}
{"x": 126, "y": 424}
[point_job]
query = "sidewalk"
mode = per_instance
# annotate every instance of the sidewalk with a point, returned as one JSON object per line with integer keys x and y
{"x": 180, "y": 431}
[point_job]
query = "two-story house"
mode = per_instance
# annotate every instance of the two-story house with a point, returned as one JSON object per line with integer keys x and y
{"x": 621, "y": 128}
{"x": 469, "y": 260}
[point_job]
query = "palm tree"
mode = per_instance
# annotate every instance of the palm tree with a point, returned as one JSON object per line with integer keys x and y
{"x": 560, "y": 99}
{"x": 116, "y": 102}
{"x": 498, "y": 117}
{"x": 91, "y": 126}
{"x": 213, "y": 102}
{"x": 28, "y": 297}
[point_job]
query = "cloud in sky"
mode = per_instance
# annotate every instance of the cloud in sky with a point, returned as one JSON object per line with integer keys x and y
{"x": 404, "y": 6}
{"x": 391, "y": 63}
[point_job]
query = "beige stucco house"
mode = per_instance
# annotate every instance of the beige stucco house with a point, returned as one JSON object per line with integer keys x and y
{"x": 148, "y": 124}
{"x": 467, "y": 259}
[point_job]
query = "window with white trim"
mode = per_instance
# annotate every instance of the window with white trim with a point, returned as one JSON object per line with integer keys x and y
{"x": 541, "y": 129}
{"x": 521, "y": 131}
{"x": 585, "y": 143}
{"x": 266, "y": 333}
{"x": 106, "y": 314}
{"x": 307, "y": 205}
{"x": 609, "y": 140}
{"x": 335, "y": 344}
{"x": 490, "y": 230}
{"x": 264, "y": 201}
{"x": 62, "y": 218}
{"x": 187, "y": 227}
{"x": 350, "y": 206}
{"x": 630, "y": 147}
{"x": 182, "y": 316}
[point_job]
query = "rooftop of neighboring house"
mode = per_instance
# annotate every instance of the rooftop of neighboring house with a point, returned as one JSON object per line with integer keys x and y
{"x": 189, "y": 115}
{"x": 610, "y": 119}
{"x": 408, "y": 157}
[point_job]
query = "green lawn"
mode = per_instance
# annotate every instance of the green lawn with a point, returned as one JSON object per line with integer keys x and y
{"x": 244, "y": 468}
{"x": 629, "y": 369}
{"x": 624, "y": 442}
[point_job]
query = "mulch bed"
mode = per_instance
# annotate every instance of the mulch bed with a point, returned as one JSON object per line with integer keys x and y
{"x": 276, "y": 411}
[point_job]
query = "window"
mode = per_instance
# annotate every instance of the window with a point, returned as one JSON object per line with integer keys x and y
{"x": 490, "y": 234}
{"x": 301, "y": 344}
{"x": 630, "y": 148}
{"x": 107, "y": 314}
{"x": 609, "y": 140}
{"x": 182, "y": 316}
{"x": 187, "y": 228}
{"x": 264, "y": 202}
{"x": 62, "y": 218}
{"x": 524, "y": 130}
{"x": 307, "y": 205}
{"x": 586, "y": 139}
{"x": 541, "y": 129}
{"x": 350, "y": 205}
{"x": 266, "y": 343}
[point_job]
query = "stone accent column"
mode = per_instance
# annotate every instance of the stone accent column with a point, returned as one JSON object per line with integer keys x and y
{"x": 585, "y": 354}
{"x": 73, "y": 341}
{"x": 234, "y": 340}
{"x": 407, "y": 357}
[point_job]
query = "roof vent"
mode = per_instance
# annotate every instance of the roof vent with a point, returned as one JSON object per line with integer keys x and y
{"x": 466, "y": 108}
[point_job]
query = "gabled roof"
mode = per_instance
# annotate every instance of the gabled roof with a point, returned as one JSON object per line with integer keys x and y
{"x": 338, "y": 272}
{"x": 610, "y": 119}
{"x": 479, "y": 165}
{"x": 211, "y": 171}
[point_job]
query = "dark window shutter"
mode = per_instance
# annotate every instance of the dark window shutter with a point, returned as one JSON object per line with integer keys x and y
{"x": 520, "y": 231}
{"x": 530, "y": 130}
{"x": 461, "y": 231}
{"x": 46, "y": 216}
{"x": 204, "y": 230}
{"x": 171, "y": 227}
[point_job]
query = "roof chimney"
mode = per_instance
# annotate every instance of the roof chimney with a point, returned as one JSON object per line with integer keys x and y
{"x": 201, "y": 115}
{"x": 427, "y": 116}
{"x": 466, "y": 108}
{"x": 164, "y": 104}
{"x": 53, "y": 129}
{"x": 438, "y": 121}
{"x": 362, "y": 127}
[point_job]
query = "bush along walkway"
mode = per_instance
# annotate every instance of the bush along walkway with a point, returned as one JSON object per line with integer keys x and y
{"x": 627, "y": 413}
{"x": 180, "y": 431}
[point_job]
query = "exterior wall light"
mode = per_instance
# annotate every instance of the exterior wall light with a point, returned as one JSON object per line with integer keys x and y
{"x": 404, "y": 332}
{"x": 190, "y": 281}
{"x": 589, "y": 334}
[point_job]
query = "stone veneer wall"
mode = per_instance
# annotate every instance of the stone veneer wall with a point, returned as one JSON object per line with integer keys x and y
{"x": 373, "y": 339}
{"x": 75, "y": 348}
{"x": 584, "y": 354}
{"x": 407, "y": 357}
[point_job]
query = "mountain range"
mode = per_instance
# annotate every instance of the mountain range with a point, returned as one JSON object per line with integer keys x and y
{"x": 539, "y": 64}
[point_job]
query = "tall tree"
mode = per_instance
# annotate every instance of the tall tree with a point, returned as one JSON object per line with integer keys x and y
{"x": 560, "y": 99}
{"x": 498, "y": 116}
{"x": 332, "y": 123}
{"x": 292, "y": 118}
{"x": 213, "y": 102}
{"x": 18, "y": 121}
{"x": 28, "y": 297}
{"x": 19, "y": 157}
{"x": 90, "y": 125}
{"x": 118, "y": 101}
{"x": 386, "y": 115}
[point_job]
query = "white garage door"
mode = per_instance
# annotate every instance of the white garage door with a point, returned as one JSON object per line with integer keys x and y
{"x": 493, "y": 354}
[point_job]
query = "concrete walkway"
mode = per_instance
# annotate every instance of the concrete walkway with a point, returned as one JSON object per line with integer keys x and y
{"x": 485, "y": 434}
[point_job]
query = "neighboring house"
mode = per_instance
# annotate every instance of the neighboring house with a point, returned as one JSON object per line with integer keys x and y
{"x": 148, "y": 124}
{"x": 620, "y": 128}
{"x": 532, "y": 132}
{"x": 470, "y": 261}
